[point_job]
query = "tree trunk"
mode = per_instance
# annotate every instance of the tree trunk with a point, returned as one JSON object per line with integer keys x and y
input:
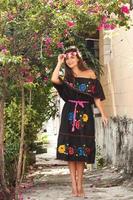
{"x": 21, "y": 149}
{"x": 30, "y": 96}
{"x": 24, "y": 164}
{"x": 4, "y": 190}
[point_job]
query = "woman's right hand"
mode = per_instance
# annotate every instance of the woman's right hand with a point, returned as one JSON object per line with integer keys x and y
{"x": 61, "y": 58}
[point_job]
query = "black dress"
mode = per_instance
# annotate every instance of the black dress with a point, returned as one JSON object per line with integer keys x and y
{"x": 76, "y": 139}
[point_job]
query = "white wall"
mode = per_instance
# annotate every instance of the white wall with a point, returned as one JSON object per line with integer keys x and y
{"x": 116, "y": 54}
{"x": 116, "y": 140}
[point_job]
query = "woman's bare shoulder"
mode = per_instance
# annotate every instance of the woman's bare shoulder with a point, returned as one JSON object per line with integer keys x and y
{"x": 90, "y": 73}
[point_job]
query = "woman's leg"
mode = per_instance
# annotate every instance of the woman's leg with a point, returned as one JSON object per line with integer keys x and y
{"x": 80, "y": 170}
{"x": 72, "y": 168}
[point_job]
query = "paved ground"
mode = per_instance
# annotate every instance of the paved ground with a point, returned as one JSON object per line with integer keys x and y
{"x": 50, "y": 180}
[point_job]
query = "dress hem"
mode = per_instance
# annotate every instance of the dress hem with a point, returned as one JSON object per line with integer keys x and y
{"x": 88, "y": 162}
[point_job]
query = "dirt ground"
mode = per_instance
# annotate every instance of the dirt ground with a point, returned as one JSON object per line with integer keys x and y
{"x": 51, "y": 181}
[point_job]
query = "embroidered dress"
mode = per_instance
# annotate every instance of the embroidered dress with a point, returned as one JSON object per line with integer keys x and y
{"x": 76, "y": 139}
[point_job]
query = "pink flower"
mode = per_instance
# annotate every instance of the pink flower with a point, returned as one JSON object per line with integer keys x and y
{"x": 29, "y": 79}
{"x": 4, "y": 50}
{"x": 45, "y": 79}
{"x": 24, "y": 71}
{"x": 66, "y": 33}
{"x": 48, "y": 41}
{"x": 20, "y": 196}
{"x": 10, "y": 17}
{"x": 50, "y": 2}
{"x": 100, "y": 27}
{"x": 48, "y": 51}
{"x": 104, "y": 19}
{"x": 2, "y": 46}
{"x": 125, "y": 9}
{"x": 60, "y": 45}
{"x": 113, "y": 26}
{"x": 78, "y": 2}
{"x": 102, "y": 23}
{"x": 70, "y": 54}
{"x": 70, "y": 24}
{"x": 107, "y": 26}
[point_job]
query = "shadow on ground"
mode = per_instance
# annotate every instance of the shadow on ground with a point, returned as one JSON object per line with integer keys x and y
{"x": 51, "y": 181}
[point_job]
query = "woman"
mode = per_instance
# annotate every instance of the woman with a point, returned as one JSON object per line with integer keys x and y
{"x": 79, "y": 89}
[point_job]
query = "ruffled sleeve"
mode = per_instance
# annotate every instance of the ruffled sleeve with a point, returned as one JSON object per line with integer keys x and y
{"x": 61, "y": 89}
{"x": 98, "y": 91}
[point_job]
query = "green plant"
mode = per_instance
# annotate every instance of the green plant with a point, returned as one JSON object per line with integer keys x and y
{"x": 12, "y": 134}
{"x": 100, "y": 161}
{"x": 42, "y": 138}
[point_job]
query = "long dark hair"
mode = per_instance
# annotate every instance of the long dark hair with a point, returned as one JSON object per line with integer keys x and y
{"x": 69, "y": 75}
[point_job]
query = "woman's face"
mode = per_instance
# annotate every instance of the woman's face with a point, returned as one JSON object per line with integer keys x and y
{"x": 72, "y": 60}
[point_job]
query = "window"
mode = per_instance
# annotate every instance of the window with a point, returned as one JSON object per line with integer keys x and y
{"x": 131, "y": 4}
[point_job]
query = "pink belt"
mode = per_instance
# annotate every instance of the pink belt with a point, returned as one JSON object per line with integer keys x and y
{"x": 77, "y": 102}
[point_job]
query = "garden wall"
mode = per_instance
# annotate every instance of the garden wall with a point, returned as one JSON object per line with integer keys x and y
{"x": 116, "y": 142}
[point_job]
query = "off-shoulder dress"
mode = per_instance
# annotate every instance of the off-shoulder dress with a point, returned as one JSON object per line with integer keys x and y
{"x": 76, "y": 138}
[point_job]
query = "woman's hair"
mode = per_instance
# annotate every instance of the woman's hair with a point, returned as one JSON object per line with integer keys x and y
{"x": 68, "y": 71}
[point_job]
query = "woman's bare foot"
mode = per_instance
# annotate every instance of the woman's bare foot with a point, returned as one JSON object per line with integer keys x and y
{"x": 81, "y": 191}
{"x": 74, "y": 192}
{"x": 81, "y": 194}
{"x": 74, "y": 189}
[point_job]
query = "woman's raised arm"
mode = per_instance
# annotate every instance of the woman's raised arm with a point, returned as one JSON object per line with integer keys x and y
{"x": 55, "y": 74}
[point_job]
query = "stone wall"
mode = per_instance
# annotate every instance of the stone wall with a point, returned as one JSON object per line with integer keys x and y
{"x": 116, "y": 55}
{"x": 116, "y": 142}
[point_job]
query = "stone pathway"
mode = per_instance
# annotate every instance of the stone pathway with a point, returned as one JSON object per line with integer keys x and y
{"x": 52, "y": 182}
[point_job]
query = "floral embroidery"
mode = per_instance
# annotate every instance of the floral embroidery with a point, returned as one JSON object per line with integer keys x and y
{"x": 87, "y": 150}
{"x": 80, "y": 151}
{"x": 61, "y": 149}
{"x": 77, "y": 124}
{"x": 81, "y": 118}
{"x": 85, "y": 117}
{"x": 74, "y": 151}
{"x": 82, "y": 87}
{"x": 70, "y": 150}
{"x": 71, "y": 85}
{"x": 93, "y": 89}
{"x": 70, "y": 116}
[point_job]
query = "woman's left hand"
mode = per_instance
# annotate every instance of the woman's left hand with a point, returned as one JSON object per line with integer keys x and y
{"x": 104, "y": 120}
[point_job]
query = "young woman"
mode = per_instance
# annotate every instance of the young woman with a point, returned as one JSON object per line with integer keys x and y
{"x": 79, "y": 89}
